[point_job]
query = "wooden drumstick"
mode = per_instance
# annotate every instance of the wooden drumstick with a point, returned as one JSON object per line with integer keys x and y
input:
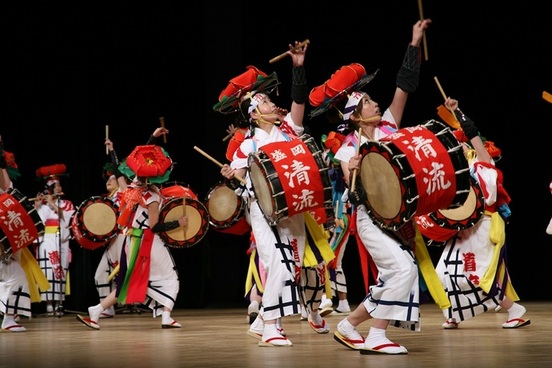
{"x": 230, "y": 135}
{"x": 424, "y": 34}
{"x": 283, "y": 55}
{"x": 162, "y": 121}
{"x": 106, "y": 137}
{"x": 445, "y": 98}
{"x": 357, "y": 152}
{"x": 241, "y": 180}
{"x": 184, "y": 214}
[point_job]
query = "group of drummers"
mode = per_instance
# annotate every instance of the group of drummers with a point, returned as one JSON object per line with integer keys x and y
{"x": 429, "y": 184}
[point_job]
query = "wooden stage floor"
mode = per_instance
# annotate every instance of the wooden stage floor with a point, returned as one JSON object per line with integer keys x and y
{"x": 217, "y": 338}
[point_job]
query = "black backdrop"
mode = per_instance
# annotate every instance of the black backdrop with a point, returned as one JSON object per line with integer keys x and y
{"x": 68, "y": 70}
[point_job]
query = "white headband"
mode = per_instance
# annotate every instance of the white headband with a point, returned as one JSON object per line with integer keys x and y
{"x": 352, "y": 103}
{"x": 256, "y": 98}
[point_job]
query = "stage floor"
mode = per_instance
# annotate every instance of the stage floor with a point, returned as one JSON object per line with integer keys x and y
{"x": 218, "y": 338}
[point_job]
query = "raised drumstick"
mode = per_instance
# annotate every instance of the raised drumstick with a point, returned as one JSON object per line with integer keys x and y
{"x": 242, "y": 180}
{"x": 106, "y": 137}
{"x": 457, "y": 123}
{"x": 162, "y": 122}
{"x": 423, "y": 35}
{"x": 283, "y": 54}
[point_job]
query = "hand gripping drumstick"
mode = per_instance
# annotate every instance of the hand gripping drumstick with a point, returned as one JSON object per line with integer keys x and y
{"x": 357, "y": 152}
{"x": 423, "y": 35}
{"x": 242, "y": 180}
{"x": 283, "y": 54}
{"x": 456, "y": 122}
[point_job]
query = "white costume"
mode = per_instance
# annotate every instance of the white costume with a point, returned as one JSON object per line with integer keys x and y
{"x": 281, "y": 247}
{"x": 396, "y": 295}
{"x": 53, "y": 253}
{"x": 163, "y": 283}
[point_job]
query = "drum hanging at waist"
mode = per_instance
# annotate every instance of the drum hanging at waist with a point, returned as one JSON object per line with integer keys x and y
{"x": 416, "y": 170}
{"x": 94, "y": 223}
{"x": 20, "y": 224}
{"x": 227, "y": 210}
{"x": 198, "y": 221}
{"x": 290, "y": 178}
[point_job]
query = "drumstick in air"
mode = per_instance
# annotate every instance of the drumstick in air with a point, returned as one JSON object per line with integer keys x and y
{"x": 241, "y": 180}
{"x": 162, "y": 122}
{"x": 457, "y": 123}
{"x": 423, "y": 35}
{"x": 357, "y": 152}
{"x": 227, "y": 137}
{"x": 106, "y": 137}
{"x": 283, "y": 54}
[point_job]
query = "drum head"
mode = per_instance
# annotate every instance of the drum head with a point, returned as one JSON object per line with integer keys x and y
{"x": 198, "y": 222}
{"x": 382, "y": 185}
{"x": 99, "y": 218}
{"x": 222, "y": 203}
{"x": 261, "y": 188}
{"x": 465, "y": 216}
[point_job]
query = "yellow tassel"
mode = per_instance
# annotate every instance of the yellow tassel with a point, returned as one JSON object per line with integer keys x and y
{"x": 34, "y": 275}
{"x": 427, "y": 269}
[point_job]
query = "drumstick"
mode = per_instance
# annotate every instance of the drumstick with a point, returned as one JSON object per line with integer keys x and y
{"x": 357, "y": 151}
{"x": 216, "y": 162}
{"x": 227, "y": 137}
{"x": 184, "y": 213}
{"x": 106, "y": 137}
{"x": 282, "y": 55}
{"x": 445, "y": 97}
{"x": 113, "y": 273}
{"x": 162, "y": 121}
{"x": 423, "y": 35}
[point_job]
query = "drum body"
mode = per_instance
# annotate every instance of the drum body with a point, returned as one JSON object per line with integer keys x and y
{"x": 465, "y": 216}
{"x": 290, "y": 178}
{"x": 198, "y": 221}
{"x": 177, "y": 189}
{"x": 227, "y": 210}
{"x": 20, "y": 224}
{"x": 416, "y": 170}
{"x": 94, "y": 223}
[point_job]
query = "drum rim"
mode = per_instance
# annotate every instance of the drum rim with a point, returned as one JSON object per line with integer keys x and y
{"x": 235, "y": 218}
{"x": 204, "y": 226}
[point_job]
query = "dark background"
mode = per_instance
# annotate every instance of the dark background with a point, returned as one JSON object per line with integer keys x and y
{"x": 68, "y": 70}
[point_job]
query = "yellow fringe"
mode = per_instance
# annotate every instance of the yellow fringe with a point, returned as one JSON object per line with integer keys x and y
{"x": 429, "y": 274}
{"x": 320, "y": 237}
{"x": 253, "y": 273}
{"x": 497, "y": 235}
{"x": 35, "y": 276}
{"x": 67, "y": 284}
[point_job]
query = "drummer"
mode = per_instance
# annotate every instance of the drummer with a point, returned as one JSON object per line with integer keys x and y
{"x": 115, "y": 184}
{"x": 280, "y": 247}
{"x": 397, "y": 298}
{"x": 147, "y": 273}
{"x": 17, "y": 292}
